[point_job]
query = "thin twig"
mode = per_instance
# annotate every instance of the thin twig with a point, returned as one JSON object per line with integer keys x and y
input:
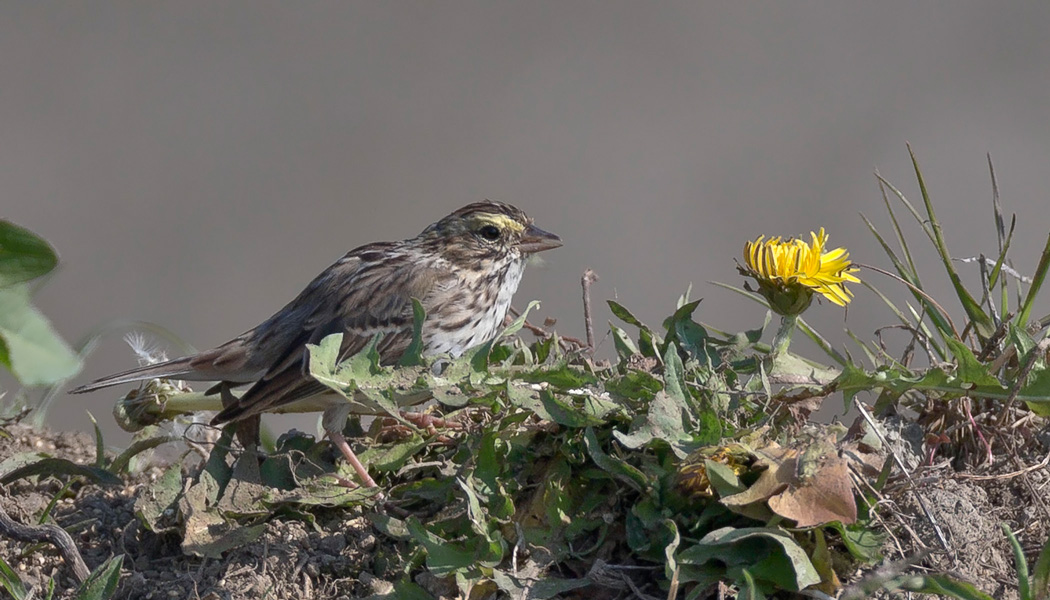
{"x": 918, "y": 291}
{"x": 1003, "y": 476}
{"x": 50, "y": 533}
{"x": 588, "y": 278}
{"x": 907, "y": 475}
{"x": 567, "y": 343}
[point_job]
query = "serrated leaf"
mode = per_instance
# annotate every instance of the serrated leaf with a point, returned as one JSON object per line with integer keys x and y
{"x": 562, "y": 376}
{"x": 30, "y": 347}
{"x": 563, "y": 412}
{"x": 23, "y": 255}
{"x": 970, "y": 370}
{"x": 662, "y": 421}
{"x": 391, "y": 457}
{"x": 634, "y": 385}
{"x": 324, "y": 490}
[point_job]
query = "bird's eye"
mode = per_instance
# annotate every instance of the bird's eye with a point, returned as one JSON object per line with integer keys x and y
{"x": 489, "y": 232}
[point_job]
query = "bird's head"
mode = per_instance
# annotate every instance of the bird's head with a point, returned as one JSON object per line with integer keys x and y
{"x": 486, "y": 231}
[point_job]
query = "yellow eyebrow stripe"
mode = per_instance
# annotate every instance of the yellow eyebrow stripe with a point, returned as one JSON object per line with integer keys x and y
{"x": 502, "y": 221}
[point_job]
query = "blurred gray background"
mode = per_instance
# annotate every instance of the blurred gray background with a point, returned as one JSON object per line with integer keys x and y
{"x": 197, "y": 163}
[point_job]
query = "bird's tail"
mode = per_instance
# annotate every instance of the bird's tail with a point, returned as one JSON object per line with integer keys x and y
{"x": 178, "y": 368}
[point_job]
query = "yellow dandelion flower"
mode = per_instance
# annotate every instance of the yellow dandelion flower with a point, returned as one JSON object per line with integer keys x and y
{"x": 789, "y": 271}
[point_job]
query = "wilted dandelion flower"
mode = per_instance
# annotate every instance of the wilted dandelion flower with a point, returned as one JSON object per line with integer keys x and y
{"x": 693, "y": 479}
{"x": 788, "y": 272}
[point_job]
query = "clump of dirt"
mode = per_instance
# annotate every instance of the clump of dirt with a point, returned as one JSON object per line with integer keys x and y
{"x": 329, "y": 558}
{"x": 954, "y": 518}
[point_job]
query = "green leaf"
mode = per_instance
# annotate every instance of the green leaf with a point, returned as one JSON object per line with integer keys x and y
{"x": 615, "y": 467}
{"x": 624, "y": 315}
{"x": 662, "y": 421}
{"x": 674, "y": 376}
{"x": 749, "y": 590}
{"x": 32, "y": 350}
{"x": 11, "y": 582}
{"x": 479, "y": 356}
{"x": 1037, "y": 284}
{"x": 562, "y": 376}
{"x": 536, "y": 589}
{"x": 100, "y": 445}
{"x": 863, "y": 542}
{"x": 634, "y": 385}
{"x": 443, "y": 557}
{"x": 163, "y": 494}
{"x": 102, "y": 583}
{"x": 413, "y": 355}
{"x": 565, "y": 413}
{"x": 625, "y": 346}
{"x": 391, "y": 457}
{"x": 61, "y": 466}
{"x": 647, "y": 340}
{"x": 970, "y": 369}
{"x": 1020, "y": 564}
{"x": 23, "y": 255}
{"x": 723, "y": 480}
{"x": 982, "y": 321}
{"x": 324, "y": 490}
{"x": 770, "y": 554}
{"x": 687, "y": 333}
{"x": 1041, "y": 575}
{"x": 944, "y": 585}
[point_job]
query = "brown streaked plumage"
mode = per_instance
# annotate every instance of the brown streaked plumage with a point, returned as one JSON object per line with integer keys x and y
{"x": 463, "y": 269}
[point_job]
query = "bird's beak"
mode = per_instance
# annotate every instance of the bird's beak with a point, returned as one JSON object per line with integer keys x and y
{"x": 534, "y": 239}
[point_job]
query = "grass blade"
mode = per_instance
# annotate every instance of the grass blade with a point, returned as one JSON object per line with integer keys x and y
{"x": 981, "y": 321}
{"x": 1037, "y": 282}
{"x": 1020, "y": 564}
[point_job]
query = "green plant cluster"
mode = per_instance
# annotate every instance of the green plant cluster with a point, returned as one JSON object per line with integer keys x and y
{"x": 685, "y": 463}
{"x": 549, "y": 473}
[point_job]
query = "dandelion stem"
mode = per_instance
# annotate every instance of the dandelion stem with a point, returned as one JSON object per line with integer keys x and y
{"x": 783, "y": 337}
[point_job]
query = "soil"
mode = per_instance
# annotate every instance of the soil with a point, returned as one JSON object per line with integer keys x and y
{"x": 292, "y": 559}
{"x": 337, "y": 556}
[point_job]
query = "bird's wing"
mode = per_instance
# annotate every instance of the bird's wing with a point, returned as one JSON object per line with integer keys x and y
{"x": 360, "y": 296}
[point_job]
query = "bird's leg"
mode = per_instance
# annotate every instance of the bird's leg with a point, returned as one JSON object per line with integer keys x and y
{"x": 247, "y": 430}
{"x": 332, "y": 421}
